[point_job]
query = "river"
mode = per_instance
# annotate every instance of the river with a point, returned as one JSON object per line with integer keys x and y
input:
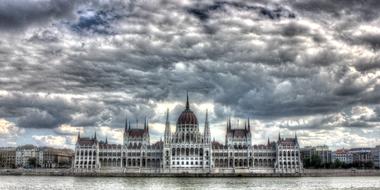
{"x": 156, "y": 183}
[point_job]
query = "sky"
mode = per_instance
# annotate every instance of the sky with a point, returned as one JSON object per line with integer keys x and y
{"x": 292, "y": 66}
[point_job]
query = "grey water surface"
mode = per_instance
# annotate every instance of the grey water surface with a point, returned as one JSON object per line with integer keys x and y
{"x": 156, "y": 183}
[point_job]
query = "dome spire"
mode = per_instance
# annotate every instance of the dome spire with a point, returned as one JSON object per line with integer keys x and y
{"x": 187, "y": 116}
{"x": 187, "y": 100}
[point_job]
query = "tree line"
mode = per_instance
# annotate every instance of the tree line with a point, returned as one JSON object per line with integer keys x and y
{"x": 315, "y": 162}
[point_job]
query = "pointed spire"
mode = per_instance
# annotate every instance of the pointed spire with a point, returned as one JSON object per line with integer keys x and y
{"x": 106, "y": 140}
{"x": 268, "y": 141}
{"x": 229, "y": 123}
{"x": 279, "y": 136}
{"x": 147, "y": 127}
{"x": 206, "y": 133}
{"x": 167, "y": 116}
{"x": 78, "y": 134}
{"x": 187, "y": 101}
{"x": 245, "y": 125}
{"x": 167, "y": 133}
{"x": 249, "y": 125}
{"x": 206, "y": 120}
{"x": 129, "y": 125}
{"x": 126, "y": 125}
{"x": 95, "y": 135}
{"x": 145, "y": 124}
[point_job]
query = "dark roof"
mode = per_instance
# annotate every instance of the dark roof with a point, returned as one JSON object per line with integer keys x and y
{"x": 87, "y": 141}
{"x": 187, "y": 117}
{"x": 136, "y": 132}
{"x": 288, "y": 141}
{"x": 239, "y": 132}
{"x": 341, "y": 151}
{"x": 28, "y": 146}
{"x": 158, "y": 144}
{"x": 216, "y": 144}
{"x": 361, "y": 149}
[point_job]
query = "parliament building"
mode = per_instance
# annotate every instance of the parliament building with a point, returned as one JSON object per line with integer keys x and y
{"x": 187, "y": 150}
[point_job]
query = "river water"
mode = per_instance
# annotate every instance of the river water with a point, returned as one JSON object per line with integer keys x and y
{"x": 115, "y": 183}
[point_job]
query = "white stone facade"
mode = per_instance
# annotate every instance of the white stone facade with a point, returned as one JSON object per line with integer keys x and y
{"x": 288, "y": 156}
{"x": 187, "y": 150}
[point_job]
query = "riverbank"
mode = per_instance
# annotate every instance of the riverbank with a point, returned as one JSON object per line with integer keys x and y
{"x": 306, "y": 173}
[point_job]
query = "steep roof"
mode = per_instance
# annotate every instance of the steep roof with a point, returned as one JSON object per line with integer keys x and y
{"x": 87, "y": 141}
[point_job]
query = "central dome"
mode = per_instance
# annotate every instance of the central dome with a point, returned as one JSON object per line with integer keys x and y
{"x": 187, "y": 116}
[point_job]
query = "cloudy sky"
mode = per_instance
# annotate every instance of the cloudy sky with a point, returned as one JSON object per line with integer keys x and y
{"x": 298, "y": 66}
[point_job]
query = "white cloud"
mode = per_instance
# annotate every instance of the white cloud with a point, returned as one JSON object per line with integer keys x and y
{"x": 9, "y": 133}
{"x": 66, "y": 129}
{"x": 55, "y": 141}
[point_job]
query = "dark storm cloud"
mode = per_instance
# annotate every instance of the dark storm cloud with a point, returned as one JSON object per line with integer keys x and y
{"x": 364, "y": 9}
{"x": 373, "y": 40}
{"x": 47, "y": 111}
{"x": 369, "y": 64}
{"x": 294, "y": 29}
{"x": 265, "y": 60}
{"x": 21, "y": 13}
{"x": 203, "y": 11}
{"x": 35, "y": 111}
{"x": 354, "y": 117}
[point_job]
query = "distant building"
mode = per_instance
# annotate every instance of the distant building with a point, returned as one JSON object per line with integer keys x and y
{"x": 361, "y": 155}
{"x": 376, "y": 156}
{"x": 323, "y": 152}
{"x": 187, "y": 150}
{"x": 343, "y": 155}
{"x": 43, "y": 157}
{"x": 25, "y": 155}
{"x": 49, "y": 157}
{"x": 7, "y": 157}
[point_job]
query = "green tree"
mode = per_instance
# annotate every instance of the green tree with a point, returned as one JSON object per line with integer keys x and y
{"x": 368, "y": 164}
{"x": 2, "y": 162}
{"x": 306, "y": 162}
{"x": 315, "y": 161}
{"x": 32, "y": 162}
{"x": 337, "y": 164}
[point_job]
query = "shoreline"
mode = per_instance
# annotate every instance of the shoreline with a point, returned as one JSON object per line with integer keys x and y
{"x": 306, "y": 173}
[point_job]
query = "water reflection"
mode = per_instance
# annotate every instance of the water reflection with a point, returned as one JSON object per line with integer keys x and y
{"x": 116, "y": 183}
